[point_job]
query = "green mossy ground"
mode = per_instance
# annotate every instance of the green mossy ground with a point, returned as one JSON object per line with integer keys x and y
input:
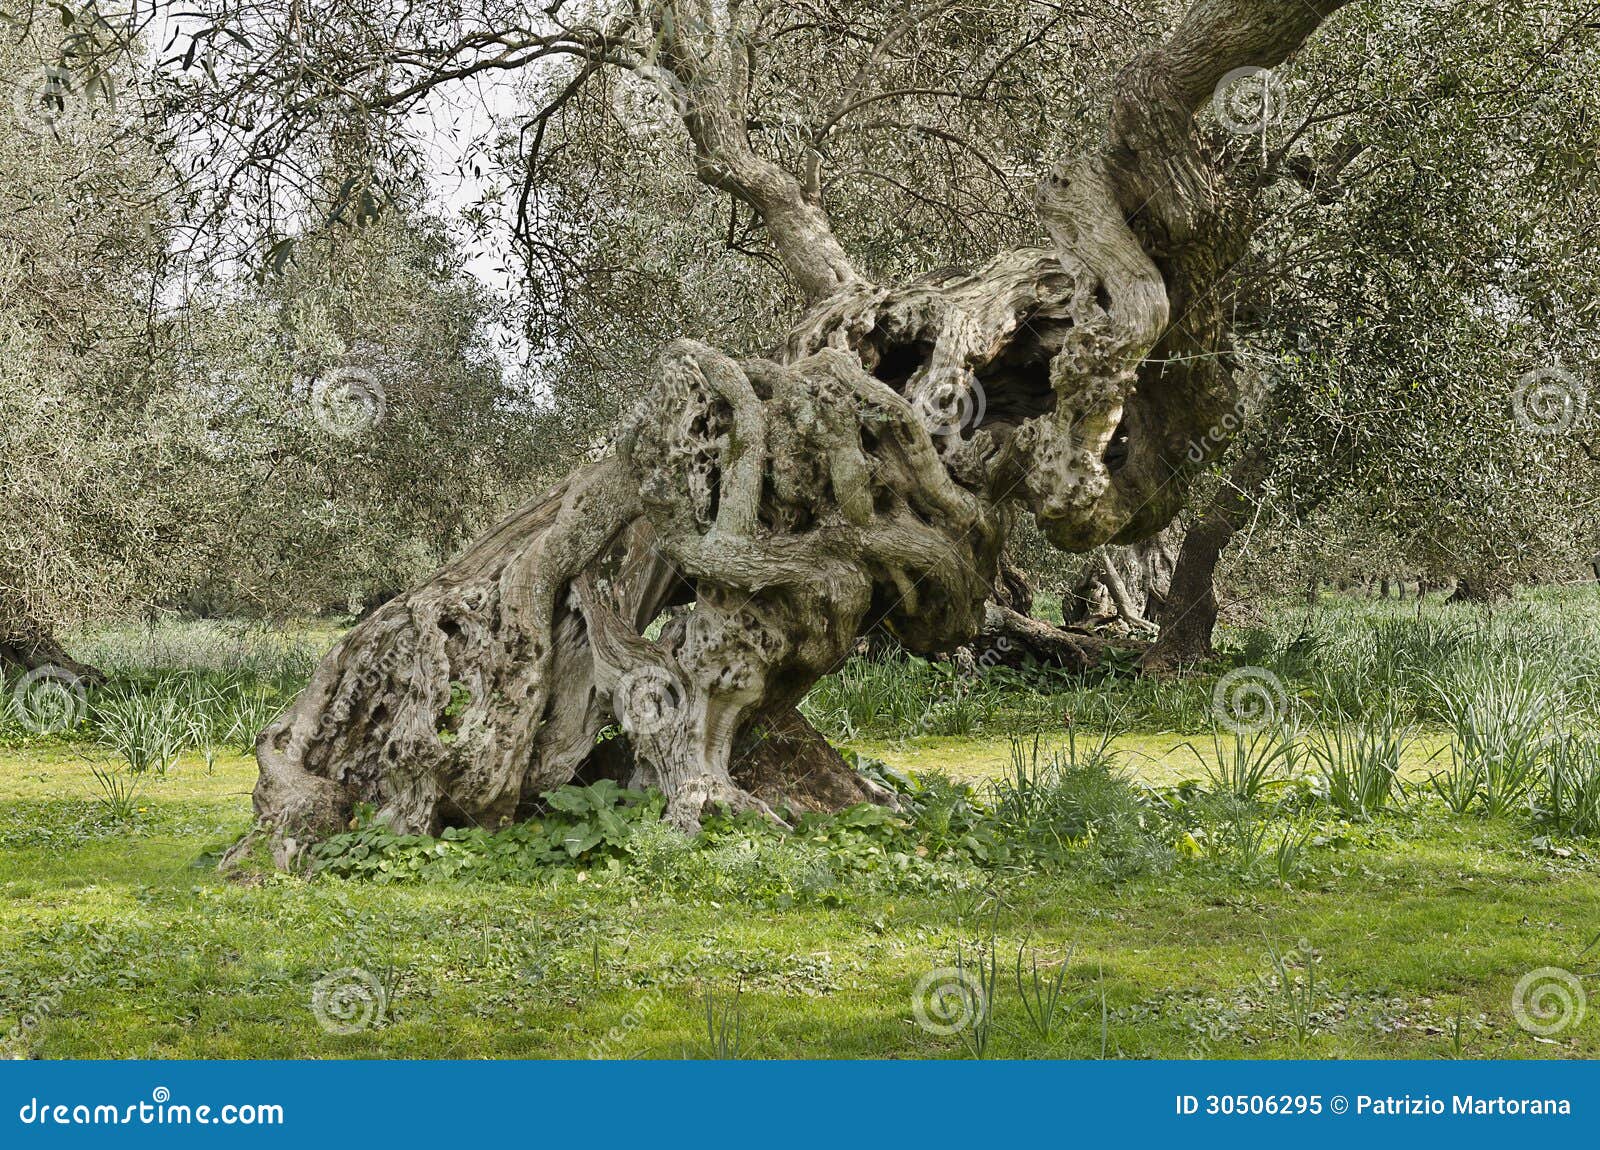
{"x": 122, "y": 941}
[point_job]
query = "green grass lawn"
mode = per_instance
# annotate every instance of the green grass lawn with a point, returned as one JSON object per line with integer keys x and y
{"x": 1158, "y": 759}
{"x": 1415, "y": 930}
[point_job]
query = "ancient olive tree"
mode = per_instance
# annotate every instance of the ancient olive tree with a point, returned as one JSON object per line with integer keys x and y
{"x": 755, "y": 515}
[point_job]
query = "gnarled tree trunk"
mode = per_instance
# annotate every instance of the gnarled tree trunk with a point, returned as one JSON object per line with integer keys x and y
{"x": 1188, "y": 618}
{"x": 28, "y": 645}
{"x": 864, "y": 476}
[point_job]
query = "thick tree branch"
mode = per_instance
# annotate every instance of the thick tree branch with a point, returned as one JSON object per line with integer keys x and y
{"x": 1146, "y": 219}
{"x": 705, "y": 67}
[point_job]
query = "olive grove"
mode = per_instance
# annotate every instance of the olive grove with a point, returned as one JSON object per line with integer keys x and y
{"x": 831, "y": 306}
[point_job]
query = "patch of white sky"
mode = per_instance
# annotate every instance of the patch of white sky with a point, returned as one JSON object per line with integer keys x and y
{"x": 455, "y": 127}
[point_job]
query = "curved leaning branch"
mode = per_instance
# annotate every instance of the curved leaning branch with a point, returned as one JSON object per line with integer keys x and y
{"x": 1148, "y": 217}
{"x": 707, "y": 71}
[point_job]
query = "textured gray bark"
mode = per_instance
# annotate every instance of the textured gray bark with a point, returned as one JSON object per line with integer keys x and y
{"x": 27, "y": 645}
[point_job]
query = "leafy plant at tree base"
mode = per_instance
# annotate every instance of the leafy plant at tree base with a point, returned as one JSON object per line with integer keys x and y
{"x": 583, "y": 825}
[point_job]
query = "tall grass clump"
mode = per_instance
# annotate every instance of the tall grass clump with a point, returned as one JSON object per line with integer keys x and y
{"x": 248, "y": 712}
{"x": 1246, "y": 764}
{"x": 1499, "y": 719}
{"x": 1570, "y": 796}
{"x": 1359, "y": 760}
{"x": 1358, "y": 656}
{"x": 1059, "y": 798}
{"x": 119, "y": 793}
{"x": 146, "y": 730}
{"x": 907, "y": 696}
